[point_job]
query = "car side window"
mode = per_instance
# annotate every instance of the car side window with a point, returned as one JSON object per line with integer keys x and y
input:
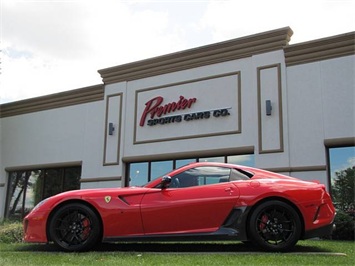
{"x": 200, "y": 176}
{"x": 239, "y": 175}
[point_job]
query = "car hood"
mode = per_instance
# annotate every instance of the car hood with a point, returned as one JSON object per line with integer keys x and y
{"x": 100, "y": 191}
{"x": 87, "y": 194}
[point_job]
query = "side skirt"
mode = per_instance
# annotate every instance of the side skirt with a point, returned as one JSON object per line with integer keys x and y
{"x": 233, "y": 229}
{"x": 220, "y": 234}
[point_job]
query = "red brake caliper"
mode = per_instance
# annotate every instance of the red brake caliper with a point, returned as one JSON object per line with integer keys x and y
{"x": 264, "y": 220}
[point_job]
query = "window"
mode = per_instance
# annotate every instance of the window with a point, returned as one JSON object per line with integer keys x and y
{"x": 141, "y": 173}
{"x": 240, "y": 175}
{"x": 27, "y": 188}
{"x": 247, "y": 159}
{"x": 160, "y": 168}
{"x": 183, "y": 162}
{"x": 200, "y": 176}
{"x": 213, "y": 159}
{"x": 342, "y": 177}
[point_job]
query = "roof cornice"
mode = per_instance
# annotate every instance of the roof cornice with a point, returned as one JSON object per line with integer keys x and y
{"x": 321, "y": 49}
{"x": 57, "y": 100}
{"x": 201, "y": 56}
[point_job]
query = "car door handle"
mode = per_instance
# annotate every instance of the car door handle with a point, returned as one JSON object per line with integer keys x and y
{"x": 229, "y": 189}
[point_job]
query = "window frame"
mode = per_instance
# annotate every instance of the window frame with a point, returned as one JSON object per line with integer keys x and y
{"x": 193, "y": 159}
{"x": 10, "y": 192}
{"x": 328, "y": 161}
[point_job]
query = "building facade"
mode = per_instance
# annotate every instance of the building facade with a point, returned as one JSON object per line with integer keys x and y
{"x": 254, "y": 100}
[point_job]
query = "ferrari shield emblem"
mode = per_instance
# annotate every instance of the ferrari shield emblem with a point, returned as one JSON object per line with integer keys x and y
{"x": 108, "y": 199}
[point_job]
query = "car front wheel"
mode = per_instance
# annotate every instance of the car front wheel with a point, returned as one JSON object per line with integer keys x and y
{"x": 274, "y": 226}
{"x": 74, "y": 227}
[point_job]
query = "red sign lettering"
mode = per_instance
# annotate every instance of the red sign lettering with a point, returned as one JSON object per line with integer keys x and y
{"x": 154, "y": 108}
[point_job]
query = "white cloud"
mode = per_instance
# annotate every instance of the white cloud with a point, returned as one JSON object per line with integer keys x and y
{"x": 35, "y": 76}
{"x": 351, "y": 162}
{"x": 48, "y": 28}
{"x": 308, "y": 19}
{"x": 50, "y": 46}
{"x": 53, "y": 46}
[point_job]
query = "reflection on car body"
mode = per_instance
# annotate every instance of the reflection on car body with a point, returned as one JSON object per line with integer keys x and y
{"x": 199, "y": 201}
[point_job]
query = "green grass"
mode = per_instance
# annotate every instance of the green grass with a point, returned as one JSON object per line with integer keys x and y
{"x": 310, "y": 252}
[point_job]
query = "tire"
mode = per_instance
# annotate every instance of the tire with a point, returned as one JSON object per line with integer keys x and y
{"x": 75, "y": 227}
{"x": 274, "y": 226}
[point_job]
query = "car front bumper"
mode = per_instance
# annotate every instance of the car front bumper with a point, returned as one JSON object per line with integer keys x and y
{"x": 34, "y": 227}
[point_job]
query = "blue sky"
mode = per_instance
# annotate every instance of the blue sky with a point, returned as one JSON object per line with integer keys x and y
{"x": 50, "y": 46}
{"x": 341, "y": 159}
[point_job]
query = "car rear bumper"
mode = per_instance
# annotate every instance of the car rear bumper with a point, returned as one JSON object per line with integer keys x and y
{"x": 320, "y": 232}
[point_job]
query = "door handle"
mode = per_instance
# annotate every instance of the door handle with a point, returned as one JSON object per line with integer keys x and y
{"x": 229, "y": 189}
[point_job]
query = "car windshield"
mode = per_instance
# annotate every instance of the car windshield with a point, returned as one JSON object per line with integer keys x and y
{"x": 147, "y": 184}
{"x": 160, "y": 176}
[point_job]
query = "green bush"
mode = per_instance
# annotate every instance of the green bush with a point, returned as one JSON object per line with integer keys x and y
{"x": 345, "y": 226}
{"x": 11, "y": 232}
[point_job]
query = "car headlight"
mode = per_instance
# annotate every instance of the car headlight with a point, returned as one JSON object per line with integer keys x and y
{"x": 39, "y": 204}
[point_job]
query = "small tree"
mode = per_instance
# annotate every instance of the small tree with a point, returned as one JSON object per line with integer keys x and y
{"x": 343, "y": 196}
{"x": 343, "y": 190}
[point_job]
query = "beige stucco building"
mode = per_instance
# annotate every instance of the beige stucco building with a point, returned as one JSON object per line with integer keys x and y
{"x": 252, "y": 100}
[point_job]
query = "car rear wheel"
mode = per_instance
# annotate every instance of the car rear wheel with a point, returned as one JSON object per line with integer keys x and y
{"x": 274, "y": 226}
{"x": 75, "y": 227}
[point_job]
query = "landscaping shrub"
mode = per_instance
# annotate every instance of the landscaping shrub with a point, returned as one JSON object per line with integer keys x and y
{"x": 345, "y": 226}
{"x": 11, "y": 232}
{"x": 344, "y": 200}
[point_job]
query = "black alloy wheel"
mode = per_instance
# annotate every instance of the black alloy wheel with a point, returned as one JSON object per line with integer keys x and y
{"x": 75, "y": 227}
{"x": 275, "y": 226}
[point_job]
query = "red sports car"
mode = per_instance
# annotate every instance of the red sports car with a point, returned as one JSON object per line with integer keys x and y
{"x": 197, "y": 202}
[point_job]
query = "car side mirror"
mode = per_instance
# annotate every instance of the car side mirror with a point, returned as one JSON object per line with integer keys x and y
{"x": 165, "y": 181}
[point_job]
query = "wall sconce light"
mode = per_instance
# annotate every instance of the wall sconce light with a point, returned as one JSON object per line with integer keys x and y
{"x": 268, "y": 107}
{"x": 111, "y": 128}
